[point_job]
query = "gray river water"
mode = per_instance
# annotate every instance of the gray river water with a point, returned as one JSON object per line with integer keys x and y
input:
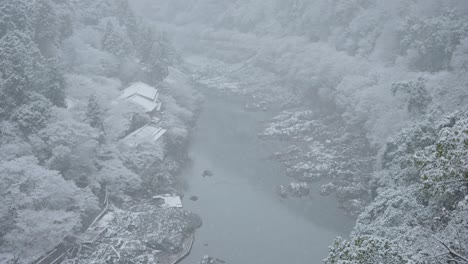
{"x": 244, "y": 221}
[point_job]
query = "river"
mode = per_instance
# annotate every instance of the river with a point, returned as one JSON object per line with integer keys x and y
{"x": 244, "y": 221}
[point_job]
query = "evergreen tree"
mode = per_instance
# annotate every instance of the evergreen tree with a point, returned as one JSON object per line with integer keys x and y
{"x": 156, "y": 53}
{"x": 13, "y": 16}
{"x": 54, "y": 86}
{"x": 126, "y": 17}
{"x": 22, "y": 66}
{"x": 158, "y": 70}
{"x": 169, "y": 53}
{"x": 443, "y": 165}
{"x": 12, "y": 94}
{"x": 25, "y": 70}
{"x": 430, "y": 43}
{"x": 418, "y": 97}
{"x": 33, "y": 115}
{"x": 46, "y": 28}
{"x": 146, "y": 41}
{"x": 114, "y": 41}
{"x": 42, "y": 205}
{"x": 94, "y": 113}
{"x": 365, "y": 250}
{"x": 16, "y": 68}
{"x": 66, "y": 28}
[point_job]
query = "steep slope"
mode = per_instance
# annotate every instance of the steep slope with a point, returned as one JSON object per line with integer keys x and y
{"x": 389, "y": 73}
{"x": 63, "y": 66}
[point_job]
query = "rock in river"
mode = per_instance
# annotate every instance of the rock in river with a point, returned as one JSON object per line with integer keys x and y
{"x": 207, "y": 173}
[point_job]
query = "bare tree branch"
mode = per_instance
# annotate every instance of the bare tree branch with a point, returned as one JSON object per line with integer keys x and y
{"x": 452, "y": 252}
{"x": 452, "y": 181}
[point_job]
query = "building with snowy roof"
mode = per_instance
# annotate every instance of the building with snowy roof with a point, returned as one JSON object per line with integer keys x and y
{"x": 143, "y": 95}
{"x": 169, "y": 201}
{"x": 151, "y": 133}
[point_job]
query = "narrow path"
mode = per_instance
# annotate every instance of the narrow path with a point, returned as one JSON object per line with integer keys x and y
{"x": 244, "y": 222}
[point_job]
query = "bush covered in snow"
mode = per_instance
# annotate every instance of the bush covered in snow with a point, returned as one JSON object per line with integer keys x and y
{"x": 63, "y": 64}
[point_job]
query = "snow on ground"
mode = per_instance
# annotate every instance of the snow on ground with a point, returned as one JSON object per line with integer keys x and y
{"x": 261, "y": 88}
{"x": 170, "y": 201}
{"x": 143, "y": 233}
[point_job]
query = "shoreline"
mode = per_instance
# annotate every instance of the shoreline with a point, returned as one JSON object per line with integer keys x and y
{"x": 244, "y": 169}
{"x": 187, "y": 248}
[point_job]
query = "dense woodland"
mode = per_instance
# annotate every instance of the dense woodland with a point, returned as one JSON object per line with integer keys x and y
{"x": 392, "y": 77}
{"x": 62, "y": 65}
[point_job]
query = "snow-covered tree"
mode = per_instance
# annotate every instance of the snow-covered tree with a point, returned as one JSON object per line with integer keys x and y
{"x": 53, "y": 87}
{"x": 146, "y": 41}
{"x": 365, "y": 250}
{"x": 24, "y": 70}
{"x": 17, "y": 55}
{"x": 119, "y": 180}
{"x": 418, "y": 97}
{"x": 14, "y": 16}
{"x": 46, "y": 27}
{"x": 443, "y": 165}
{"x": 94, "y": 113}
{"x": 124, "y": 13}
{"x": 41, "y": 204}
{"x": 155, "y": 53}
{"x": 430, "y": 43}
{"x": 78, "y": 143}
{"x": 33, "y": 115}
{"x": 460, "y": 57}
{"x": 156, "y": 70}
{"x": 115, "y": 41}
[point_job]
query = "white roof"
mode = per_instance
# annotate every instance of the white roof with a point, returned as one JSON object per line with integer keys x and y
{"x": 143, "y": 95}
{"x": 145, "y": 103}
{"x": 141, "y": 89}
{"x": 170, "y": 201}
{"x": 148, "y": 133}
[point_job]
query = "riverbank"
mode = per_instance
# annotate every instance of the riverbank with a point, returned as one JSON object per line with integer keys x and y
{"x": 317, "y": 148}
{"x": 187, "y": 248}
{"x": 144, "y": 233}
{"x": 138, "y": 226}
{"x": 243, "y": 218}
{"x": 397, "y": 106}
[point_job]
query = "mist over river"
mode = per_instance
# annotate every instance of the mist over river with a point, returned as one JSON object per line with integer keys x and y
{"x": 244, "y": 221}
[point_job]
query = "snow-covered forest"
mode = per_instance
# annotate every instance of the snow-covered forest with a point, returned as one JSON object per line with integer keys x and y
{"x": 63, "y": 64}
{"x": 382, "y": 111}
{"x": 370, "y": 102}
